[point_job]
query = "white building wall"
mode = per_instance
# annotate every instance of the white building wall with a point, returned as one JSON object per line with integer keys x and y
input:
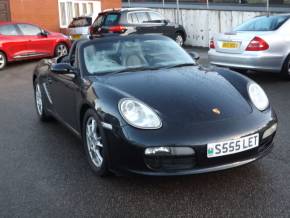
{"x": 201, "y": 25}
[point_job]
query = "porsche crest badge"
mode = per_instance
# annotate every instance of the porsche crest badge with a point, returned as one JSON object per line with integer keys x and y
{"x": 216, "y": 111}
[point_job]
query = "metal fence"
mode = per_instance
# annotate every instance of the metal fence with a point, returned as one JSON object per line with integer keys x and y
{"x": 265, "y": 5}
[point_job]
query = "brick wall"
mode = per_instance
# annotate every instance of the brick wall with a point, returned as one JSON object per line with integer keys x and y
{"x": 41, "y": 12}
{"x": 111, "y": 4}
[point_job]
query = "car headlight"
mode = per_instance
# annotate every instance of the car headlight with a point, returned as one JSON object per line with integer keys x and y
{"x": 138, "y": 114}
{"x": 258, "y": 96}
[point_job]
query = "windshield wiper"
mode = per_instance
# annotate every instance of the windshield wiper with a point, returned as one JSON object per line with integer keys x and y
{"x": 181, "y": 65}
{"x": 135, "y": 69}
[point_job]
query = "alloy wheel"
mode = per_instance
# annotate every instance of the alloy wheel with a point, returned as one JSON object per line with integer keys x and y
{"x": 94, "y": 142}
{"x": 38, "y": 100}
{"x": 61, "y": 50}
{"x": 2, "y": 61}
{"x": 179, "y": 40}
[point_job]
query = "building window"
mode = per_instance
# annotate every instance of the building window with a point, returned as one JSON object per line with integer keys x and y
{"x": 77, "y": 9}
{"x": 84, "y": 8}
{"x": 68, "y": 9}
{"x": 63, "y": 20}
{"x": 90, "y": 8}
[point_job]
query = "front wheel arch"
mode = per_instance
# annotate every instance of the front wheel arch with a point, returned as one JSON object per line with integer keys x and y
{"x": 285, "y": 68}
{"x": 34, "y": 79}
{"x": 82, "y": 113}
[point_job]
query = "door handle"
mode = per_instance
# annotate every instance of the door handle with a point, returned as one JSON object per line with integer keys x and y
{"x": 49, "y": 80}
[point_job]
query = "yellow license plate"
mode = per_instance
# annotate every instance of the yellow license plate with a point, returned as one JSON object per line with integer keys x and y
{"x": 76, "y": 37}
{"x": 230, "y": 45}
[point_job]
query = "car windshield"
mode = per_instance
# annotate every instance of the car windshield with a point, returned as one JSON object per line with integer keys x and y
{"x": 134, "y": 54}
{"x": 264, "y": 23}
{"x": 81, "y": 22}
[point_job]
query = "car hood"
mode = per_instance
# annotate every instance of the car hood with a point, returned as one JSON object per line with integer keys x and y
{"x": 182, "y": 95}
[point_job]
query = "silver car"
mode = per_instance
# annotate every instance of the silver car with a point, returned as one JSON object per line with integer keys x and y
{"x": 79, "y": 28}
{"x": 262, "y": 44}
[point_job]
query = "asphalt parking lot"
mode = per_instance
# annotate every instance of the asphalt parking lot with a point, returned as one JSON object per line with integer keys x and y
{"x": 44, "y": 173}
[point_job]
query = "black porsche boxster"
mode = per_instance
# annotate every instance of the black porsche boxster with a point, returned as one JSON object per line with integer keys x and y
{"x": 141, "y": 104}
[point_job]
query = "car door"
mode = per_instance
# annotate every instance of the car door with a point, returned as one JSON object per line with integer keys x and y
{"x": 63, "y": 89}
{"x": 38, "y": 44}
{"x": 141, "y": 21}
{"x": 12, "y": 42}
{"x": 162, "y": 26}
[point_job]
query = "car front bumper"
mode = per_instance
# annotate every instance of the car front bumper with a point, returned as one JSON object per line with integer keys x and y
{"x": 127, "y": 149}
{"x": 248, "y": 60}
{"x": 213, "y": 168}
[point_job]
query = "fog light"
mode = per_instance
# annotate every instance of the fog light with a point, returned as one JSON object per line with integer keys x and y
{"x": 270, "y": 131}
{"x": 174, "y": 151}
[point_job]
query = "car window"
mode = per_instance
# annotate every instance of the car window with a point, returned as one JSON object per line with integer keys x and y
{"x": 8, "y": 30}
{"x": 132, "y": 18}
{"x": 81, "y": 22}
{"x": 29, "y": 30}
{"x": 121, "y": 54}
{"x": 264, "y": 23}
{"x": 99, "y": 21}
{"x": 142, "y": 17}
{"x": 154, "y": 16}
{"x": 111, "y": 19}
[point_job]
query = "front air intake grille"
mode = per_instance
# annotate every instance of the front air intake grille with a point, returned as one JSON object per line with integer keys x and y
{"x": 168, "y": 163}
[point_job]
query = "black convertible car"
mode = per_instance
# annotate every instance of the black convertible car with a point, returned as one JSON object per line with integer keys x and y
{"x": 142, "y": 105}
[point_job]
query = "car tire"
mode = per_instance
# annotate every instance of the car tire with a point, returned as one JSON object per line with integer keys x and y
{"x": 286, "y": 69}
{"x": 61, "y": 49}
{"x": 3, "y": 60}
{"x": 179, "y": 39}
{"x": 39, "y": 104}
{"x": 95, "y": 143}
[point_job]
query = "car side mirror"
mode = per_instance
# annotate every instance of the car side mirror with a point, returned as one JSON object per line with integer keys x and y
{"x": 62, "y": 68}
{"x": 194, "y": 55}
{"x": 166, "y": 22}
{"x": 43, "y": 33}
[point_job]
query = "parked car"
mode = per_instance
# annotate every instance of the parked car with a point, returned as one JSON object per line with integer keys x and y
{"x": 142, "y": 105}
{"x": 261, "y": 44}
{"x": 21, "y": 41}
{"x": 79, "y": 28}
{"x": 136, "y": 20}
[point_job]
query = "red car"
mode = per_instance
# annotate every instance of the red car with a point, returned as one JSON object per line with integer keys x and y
{"x": 22, "y": 41}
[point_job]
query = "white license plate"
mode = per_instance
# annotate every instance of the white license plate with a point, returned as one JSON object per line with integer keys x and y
{"x": 232, "y": 146}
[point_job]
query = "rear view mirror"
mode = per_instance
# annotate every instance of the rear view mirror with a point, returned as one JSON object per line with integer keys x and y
{"x": 194, "y": 55}
{"x": 62, "y": 68}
